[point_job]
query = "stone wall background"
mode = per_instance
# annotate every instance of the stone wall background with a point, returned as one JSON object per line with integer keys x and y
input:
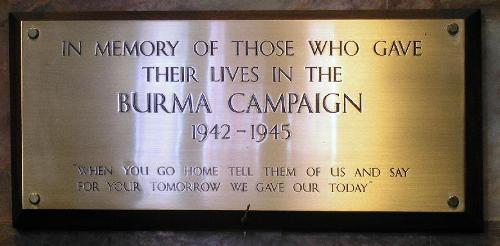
{"x": 491, "y": 132}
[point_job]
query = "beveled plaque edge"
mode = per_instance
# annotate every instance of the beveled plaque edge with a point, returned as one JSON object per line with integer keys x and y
{"x": 471, "y": 220}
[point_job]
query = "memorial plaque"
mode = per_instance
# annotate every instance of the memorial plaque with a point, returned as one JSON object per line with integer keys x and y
{"x": 296, "y": 120}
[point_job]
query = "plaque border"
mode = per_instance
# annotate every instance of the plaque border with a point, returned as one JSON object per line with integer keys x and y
{"x": 471, "y": 220}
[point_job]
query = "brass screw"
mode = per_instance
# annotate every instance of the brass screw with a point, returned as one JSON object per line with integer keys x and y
{"x": 34, "y": 198}
{"x": 453, "y": 29}
{"x": 453, "y": 201}
{"x": 33, "y": 33}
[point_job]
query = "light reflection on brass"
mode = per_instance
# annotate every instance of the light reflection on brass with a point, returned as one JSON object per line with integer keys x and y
{"x": 413, "y": 117}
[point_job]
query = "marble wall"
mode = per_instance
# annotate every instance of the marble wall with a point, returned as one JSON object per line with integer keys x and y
{"x": 491, "y": 108}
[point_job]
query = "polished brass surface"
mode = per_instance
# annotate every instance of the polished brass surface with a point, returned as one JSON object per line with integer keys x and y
{"x": 412, "y": 117}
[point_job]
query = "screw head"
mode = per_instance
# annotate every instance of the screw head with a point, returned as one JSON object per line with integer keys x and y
{"x": 34, "y": 198}
{"x": 33, "y": 33}
{"x": 453, "y": 29}
{"x": 453, "y": 201}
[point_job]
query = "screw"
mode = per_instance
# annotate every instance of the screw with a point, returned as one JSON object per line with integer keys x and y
{"x": 34, "y": 198}
{"x": 33, "y": 33}
{"x": 453, "y": 202}
{"x": 453, "y": 29}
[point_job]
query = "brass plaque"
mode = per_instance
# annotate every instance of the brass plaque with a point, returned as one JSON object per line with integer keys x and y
{"x": 332, "y": 115}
